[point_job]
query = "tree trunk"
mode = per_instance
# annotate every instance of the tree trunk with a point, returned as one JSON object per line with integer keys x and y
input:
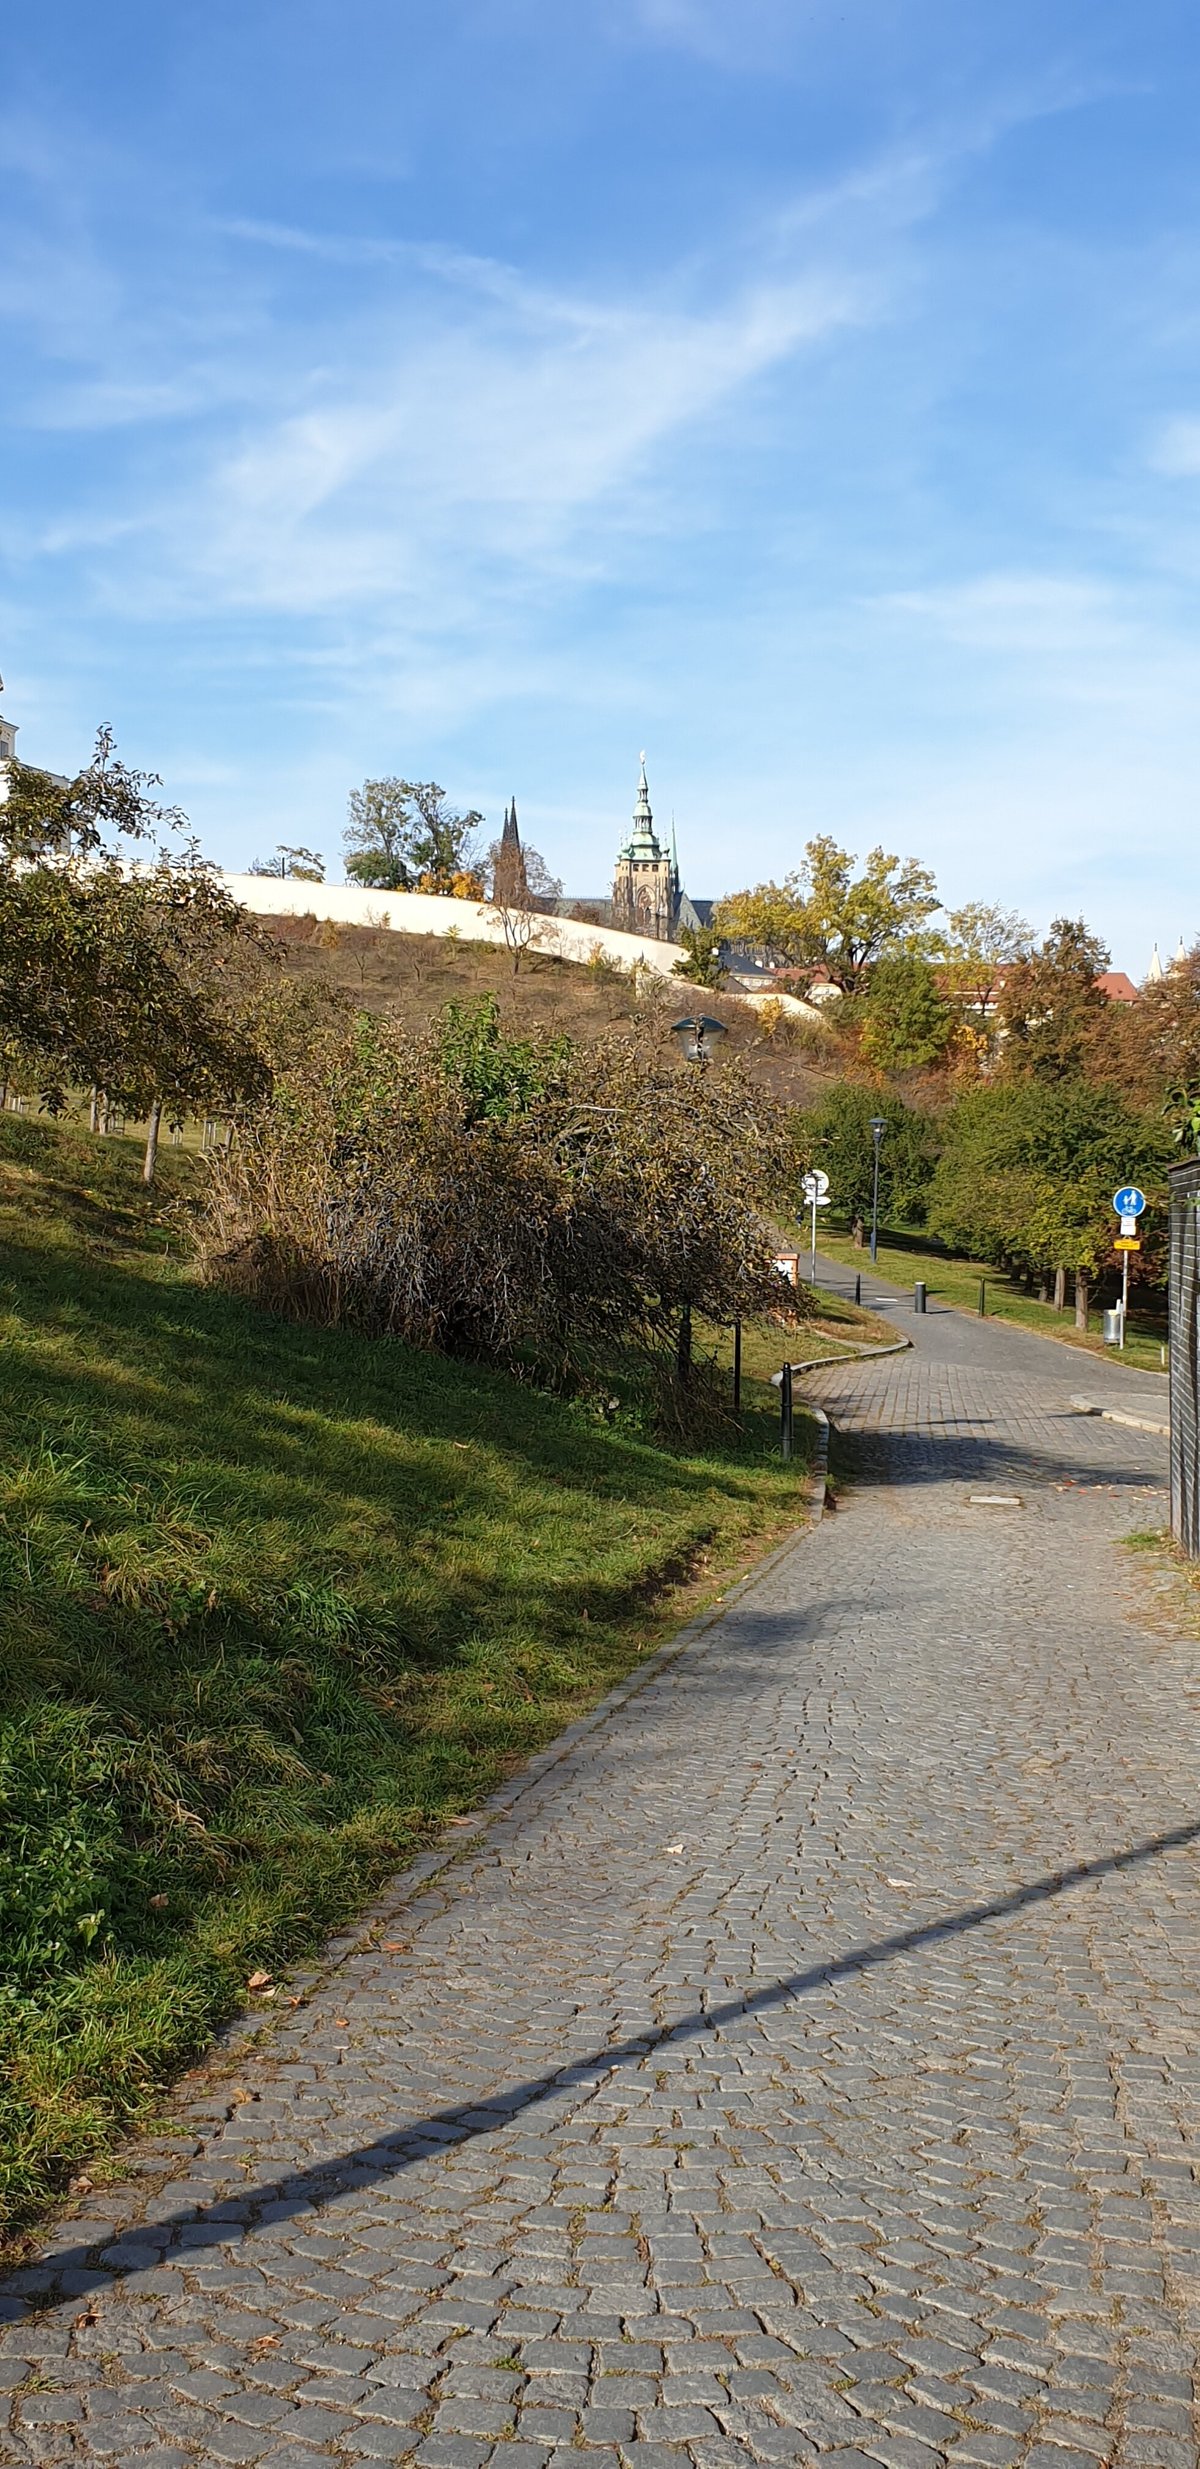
{"x": 152, "y": 1131}
{"x": 102, "y": 1126}
{"x": 1043, "y": 1293}
{"x": 858, "y": 1232}
{"x": 1060, "y": 1290}
{"x": 94, "y": 1117}
{"x": 683, "y": 1351}
{"x": 1082, "y": 1285}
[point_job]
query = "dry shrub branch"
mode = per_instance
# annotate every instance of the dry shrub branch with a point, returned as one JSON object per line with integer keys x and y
{"x": 504, "y": 1197}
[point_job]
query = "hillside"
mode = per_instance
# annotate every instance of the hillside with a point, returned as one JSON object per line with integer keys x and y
{"x": 276, "y": 1603}
{"x": 411, "y": 976}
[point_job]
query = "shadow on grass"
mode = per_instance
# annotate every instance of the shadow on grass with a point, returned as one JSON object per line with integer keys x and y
{"x": 180, "y": 2236}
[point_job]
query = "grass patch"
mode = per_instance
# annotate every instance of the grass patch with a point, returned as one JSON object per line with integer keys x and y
{"x": 904, "y": 1257}
{"x": 277, "y": 1601}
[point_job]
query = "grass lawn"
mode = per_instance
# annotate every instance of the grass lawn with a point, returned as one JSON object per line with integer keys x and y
{"x": 276, "y": 1603}
{"x": 904, "y": 1257}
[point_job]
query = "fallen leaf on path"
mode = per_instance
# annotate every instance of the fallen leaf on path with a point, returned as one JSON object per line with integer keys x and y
{"x": 259, "y": 1980}
{"x": 672, "y": 1847}
{"x": 907, "y": 1884}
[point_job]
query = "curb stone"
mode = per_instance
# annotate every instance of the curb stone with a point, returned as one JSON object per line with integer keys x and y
{"x": 1118, "y": 1414}
{"x": 861, "y": 1354}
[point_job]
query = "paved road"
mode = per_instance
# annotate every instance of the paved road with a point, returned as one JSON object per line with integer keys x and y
{"x": 802, "y": 2068}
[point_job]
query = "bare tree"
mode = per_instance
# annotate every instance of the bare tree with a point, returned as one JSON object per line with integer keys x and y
{"x": 524, "y": 897}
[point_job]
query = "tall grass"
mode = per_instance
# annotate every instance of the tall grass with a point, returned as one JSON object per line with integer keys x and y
{"x": 274, "y": 1602}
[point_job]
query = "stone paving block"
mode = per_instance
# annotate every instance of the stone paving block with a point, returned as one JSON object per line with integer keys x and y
{"x": 925, "y": 2142}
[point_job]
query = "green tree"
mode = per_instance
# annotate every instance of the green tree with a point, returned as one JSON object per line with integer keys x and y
{"x": 499, "y": 1075}
{"x": 837, "y": 1136}
{"x": 826, "y": 919}
{"x": 105, "y": 804}
{"x": 906, "y": 1022}
{"x": 130, "y": 979}
{"x": 402, "y": 833}
{"x": 1028, "y": 1169}
{"x": 702, "y": 963}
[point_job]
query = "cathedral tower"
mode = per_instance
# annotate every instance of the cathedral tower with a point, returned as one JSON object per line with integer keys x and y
{"x": 646, "y": 883}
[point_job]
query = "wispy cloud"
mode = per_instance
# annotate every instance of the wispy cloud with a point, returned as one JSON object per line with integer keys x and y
{"x": 1175, "y": 448}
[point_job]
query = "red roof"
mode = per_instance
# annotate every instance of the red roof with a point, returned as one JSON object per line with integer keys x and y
{"x": 1117, "y": 987}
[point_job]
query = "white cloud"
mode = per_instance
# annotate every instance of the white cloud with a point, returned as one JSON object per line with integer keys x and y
{"x": 1175, "y": 450}
{"x": 1069, "y": 639}
{"x": 487, "y": 437}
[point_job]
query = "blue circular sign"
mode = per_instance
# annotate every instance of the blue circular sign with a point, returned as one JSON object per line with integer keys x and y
{"x": 1129, "y": 1202}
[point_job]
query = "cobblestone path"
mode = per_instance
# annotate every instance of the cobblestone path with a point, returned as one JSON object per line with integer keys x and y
{"x": 802, "y": 2066}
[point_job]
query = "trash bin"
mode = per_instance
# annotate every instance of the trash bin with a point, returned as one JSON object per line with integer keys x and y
{"x": 919, "y": 1295}
{"x": 1112, "y": 1326}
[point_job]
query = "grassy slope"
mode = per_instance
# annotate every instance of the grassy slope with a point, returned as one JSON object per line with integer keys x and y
{"x": 275, "y": 1602}
{"x": 905, "y": 1257}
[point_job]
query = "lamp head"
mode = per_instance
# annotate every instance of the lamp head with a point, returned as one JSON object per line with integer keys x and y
{"x": 697, "y": 1037}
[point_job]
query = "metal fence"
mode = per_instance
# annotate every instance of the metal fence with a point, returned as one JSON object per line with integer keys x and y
{"x": 1185, "y": 1356}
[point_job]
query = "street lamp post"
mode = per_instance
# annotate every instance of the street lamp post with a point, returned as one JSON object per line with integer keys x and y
{"x": 696, "y": 1037}
{"x": 878, "y": 1128}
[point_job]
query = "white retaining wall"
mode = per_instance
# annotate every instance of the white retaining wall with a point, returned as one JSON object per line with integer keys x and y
{"x": 432, "y": 913}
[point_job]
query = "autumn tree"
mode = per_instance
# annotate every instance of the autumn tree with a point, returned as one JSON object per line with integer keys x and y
{"x": 977, "y": 945}
{"x": 1050, "y": 1003}
{"x": 825, "y": 920}
{"x": 404, "y": 835}
{"x": 508, "y": 1196}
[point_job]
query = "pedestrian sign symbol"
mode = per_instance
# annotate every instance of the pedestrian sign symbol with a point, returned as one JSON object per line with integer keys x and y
{"x": 1129, "y": 1202}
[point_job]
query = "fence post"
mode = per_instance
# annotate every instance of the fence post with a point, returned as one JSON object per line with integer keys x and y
{"x": 858, "y": 1286}
{"x": 983, "y": 1298}
{"x": 737, "y": 1367}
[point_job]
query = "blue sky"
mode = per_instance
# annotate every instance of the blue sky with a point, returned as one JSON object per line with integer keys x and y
{"x": 805, "y": 390}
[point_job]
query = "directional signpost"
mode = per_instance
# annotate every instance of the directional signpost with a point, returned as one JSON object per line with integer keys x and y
{"x": 815, "y": 1188}
{"x": 1129, "y": 1203}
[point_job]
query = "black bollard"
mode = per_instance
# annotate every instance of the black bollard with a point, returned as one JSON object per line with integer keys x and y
{"x": 919, "y": 1293}
{"x": 785, "y": 1412}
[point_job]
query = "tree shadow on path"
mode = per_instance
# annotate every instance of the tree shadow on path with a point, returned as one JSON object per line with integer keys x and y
{"x": 181, "y": 2237}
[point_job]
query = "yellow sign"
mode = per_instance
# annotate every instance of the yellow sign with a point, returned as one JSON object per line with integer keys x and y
{"x": 1126, "y": 1243}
